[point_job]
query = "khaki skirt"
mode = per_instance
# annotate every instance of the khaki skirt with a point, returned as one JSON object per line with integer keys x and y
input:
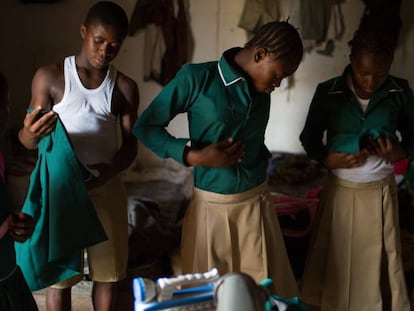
{"x": 236, "y": 233}
{"x": 354, "y": 260}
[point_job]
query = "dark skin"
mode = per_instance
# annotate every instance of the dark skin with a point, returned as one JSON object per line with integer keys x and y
{"x": 20, "y": 225}
{"x": 369, "y": 72}
{"x": 264, "y": 74}
{"x": 101, "y": 44}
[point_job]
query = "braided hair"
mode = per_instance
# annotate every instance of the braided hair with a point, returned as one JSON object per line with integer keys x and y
{"x": 108, "y": 13}
{"x": 279, "y": 38}
{"x": 373, "y": 40}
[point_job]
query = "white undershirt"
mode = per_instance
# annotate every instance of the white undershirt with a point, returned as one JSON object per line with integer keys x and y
{"x": 86, "y": 115}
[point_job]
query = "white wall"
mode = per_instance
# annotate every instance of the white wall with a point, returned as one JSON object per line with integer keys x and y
{"x": 33, "y": 35}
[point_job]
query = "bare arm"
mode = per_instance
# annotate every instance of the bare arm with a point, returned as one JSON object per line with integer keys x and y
{"x": 36, "y": 126}
{"x": 128, "y": 115}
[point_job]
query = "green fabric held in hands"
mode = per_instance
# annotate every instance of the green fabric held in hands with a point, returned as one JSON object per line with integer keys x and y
{"x": 66, "y": 220}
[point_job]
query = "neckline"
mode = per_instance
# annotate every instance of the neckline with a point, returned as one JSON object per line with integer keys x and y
{"x": 79, "y": 81}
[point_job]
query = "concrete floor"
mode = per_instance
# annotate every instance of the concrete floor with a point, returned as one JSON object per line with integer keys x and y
{"x": 81, "y": 293}
{"x": 79, "y": 302}
{"x": 81, "y": 297}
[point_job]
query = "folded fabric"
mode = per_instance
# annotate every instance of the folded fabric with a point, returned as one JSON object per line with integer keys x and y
{"x": 66, "y": 220}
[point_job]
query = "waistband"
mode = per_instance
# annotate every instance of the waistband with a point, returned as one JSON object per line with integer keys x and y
{"x": 386, "y": 181}
{"x": 227, "y": 198}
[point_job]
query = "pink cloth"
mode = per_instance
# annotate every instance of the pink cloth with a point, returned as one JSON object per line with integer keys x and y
{"x": 286, "y": 205}
{"x": 401, "y": 167}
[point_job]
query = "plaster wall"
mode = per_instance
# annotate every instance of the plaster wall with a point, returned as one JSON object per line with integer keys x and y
{"x": 37, "y": 34}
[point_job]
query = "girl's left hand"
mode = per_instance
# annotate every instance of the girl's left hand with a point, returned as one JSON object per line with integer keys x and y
{"x": 104, "y": 172}
{"x": 387, "y": 148}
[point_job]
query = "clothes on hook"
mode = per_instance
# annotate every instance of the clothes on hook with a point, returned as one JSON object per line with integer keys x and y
{"x": 168, "y": 38}
{"x": 257, "y": 13}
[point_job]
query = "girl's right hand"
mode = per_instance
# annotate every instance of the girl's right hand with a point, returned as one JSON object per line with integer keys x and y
{"x": 344, "y": 160}
{"x": 35, "y": 126}
{"x": 38, "y": 124}
{"x": 221, "y": 154}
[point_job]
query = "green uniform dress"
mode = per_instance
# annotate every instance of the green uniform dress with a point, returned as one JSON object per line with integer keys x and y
{"x": 66, "y": 221}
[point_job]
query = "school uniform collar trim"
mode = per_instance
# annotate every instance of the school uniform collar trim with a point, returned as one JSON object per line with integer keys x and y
{"x": 228, "y": 74}
{"x": 339, "y": 84}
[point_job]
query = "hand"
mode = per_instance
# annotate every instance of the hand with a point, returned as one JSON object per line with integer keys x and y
{"x": 36, "y": 125}
{"x": 105, "y": 171}
{"x": 387, "y": 148}
{"x": 21, "y": 227}
{"x": 344, "y": 160}
{"x": 221, "y": 154}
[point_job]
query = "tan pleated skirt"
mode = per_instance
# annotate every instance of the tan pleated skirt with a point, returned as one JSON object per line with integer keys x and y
{"x": 237, "y": 233}
{"x": 354, "y": 260}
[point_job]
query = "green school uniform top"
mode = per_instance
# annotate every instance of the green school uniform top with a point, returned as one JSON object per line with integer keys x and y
{"x": 66, "y": 221}
{"x": 220, "y": 105}
{"x": 335, "y": 109}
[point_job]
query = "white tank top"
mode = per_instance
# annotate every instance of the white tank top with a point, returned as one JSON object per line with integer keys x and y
{"x": 86, "y": 115}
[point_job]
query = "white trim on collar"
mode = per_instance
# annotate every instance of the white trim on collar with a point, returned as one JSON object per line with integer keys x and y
{"x": 332, "y": 90}
{"x": 397, "y": 89}
{"x": 222, "y": 77}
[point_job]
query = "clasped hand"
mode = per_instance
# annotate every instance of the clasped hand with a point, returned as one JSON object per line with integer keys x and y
{"x": 105, "y": 171}
{"x": 221, "y": 154}
{"x": 386, "y": 148}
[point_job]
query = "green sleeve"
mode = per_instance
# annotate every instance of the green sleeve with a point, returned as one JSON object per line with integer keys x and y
{"x": 150, "y": 128}
{"x": 406, "y": 127}
{"x": 312, "y": 134}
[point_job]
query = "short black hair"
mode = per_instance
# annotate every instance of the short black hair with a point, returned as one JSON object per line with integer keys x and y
{"x": 280, "y": 38}
{"x": 108, "y": 13}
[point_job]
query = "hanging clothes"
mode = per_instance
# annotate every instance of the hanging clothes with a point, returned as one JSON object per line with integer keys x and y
{"x": 168, "y": 38}
{"x": 382, "y": 15}
{"x": 322, "y": 22}
{"x": 257, "y": 13}
{"x": 316, "y": 18}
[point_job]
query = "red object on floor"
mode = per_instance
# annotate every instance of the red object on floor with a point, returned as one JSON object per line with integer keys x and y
{"x": 286, "y": 205}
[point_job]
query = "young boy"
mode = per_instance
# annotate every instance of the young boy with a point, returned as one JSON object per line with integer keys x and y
{"x": 15, "y": 295}
{"x": 354, "y": 260}
{"x": 230, "y": 223}
{"x": 90, "y": 96}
